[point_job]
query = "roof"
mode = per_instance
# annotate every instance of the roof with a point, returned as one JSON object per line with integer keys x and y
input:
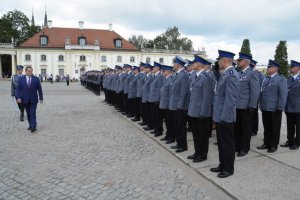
{"x": 57, "y": 38}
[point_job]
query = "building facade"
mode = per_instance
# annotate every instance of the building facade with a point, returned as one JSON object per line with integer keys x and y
{"x": 61, "y": 51}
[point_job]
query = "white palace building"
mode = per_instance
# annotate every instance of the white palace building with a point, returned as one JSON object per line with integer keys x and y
{"x": 61, "y": 51}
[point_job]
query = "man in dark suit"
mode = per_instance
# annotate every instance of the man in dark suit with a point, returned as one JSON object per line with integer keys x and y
{"x": 28, "y": 90}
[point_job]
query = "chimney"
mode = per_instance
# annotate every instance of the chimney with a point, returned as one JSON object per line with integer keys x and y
{"x": 80, "y": 25}
{"x": 50, "y": 24}
{"x": 110, "y": 27}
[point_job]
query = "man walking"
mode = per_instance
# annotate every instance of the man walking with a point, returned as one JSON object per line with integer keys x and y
{"x": 29, "y": 92}
{"x": 14, "y": 84}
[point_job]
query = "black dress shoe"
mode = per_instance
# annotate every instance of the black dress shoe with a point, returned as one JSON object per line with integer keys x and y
{"x": 272, "y": 150}
{"x": 29, "y": 128}
{"x": 129, "y": 116}
{"x": 152, "y": 132}
{"x": 164, "y": 139}
{"x": 148, "y": 128}
{"x": 253, "y": 134}
{"x": 179, "y": 150}
{"x": 135, "y": 120}
{"x": 215, "y": 143}
{"x": 170, "y": 141}
{"x": 22, "y": 117}
{"x": 294, "y": 147}
{"x": 191, "y": 157}
{"x": 175, "y": 147}
{"x": 142, "y": 124}
{"x": 33, "y": 130}
{"x": 224, "y": 174}
{"x": 199, "y": 159}
{"x": 157, "y": 134}
{"x": 287, "y": 144}
{"x": 215, "y": 169}
{"x": 241, "y": 154}
{"x": 262, "y": 147}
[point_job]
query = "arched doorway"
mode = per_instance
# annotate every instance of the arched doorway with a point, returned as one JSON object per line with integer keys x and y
{"x": 5, "y": 65}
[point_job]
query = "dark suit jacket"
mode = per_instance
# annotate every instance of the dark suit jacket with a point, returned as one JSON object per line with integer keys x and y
{"x": 29, "y": 94}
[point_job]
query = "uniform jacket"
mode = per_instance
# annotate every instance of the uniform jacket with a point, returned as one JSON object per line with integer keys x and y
{"x": 146, "y": 88}
{"x": 129, "y": 76}
{"x": 273, "y": 93}
{"x": 248, "y": 90}
{"x": 133, "y": 87}
{"x": 122, "y": 77}
{"x": 164, "y": 93}
{"x": 201, "y": 96}
{"x": 179, "y": 91}
{"x": 155, "y": 86}
{"x": 14, "y": 83}
{"x": 140, "y": 84}
{"x": 293, "y": 99}
{"x": 226, "y": 94}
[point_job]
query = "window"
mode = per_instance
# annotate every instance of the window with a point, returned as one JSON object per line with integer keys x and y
{"x": 82, "y": 58}
{"x": 119, "y": 59}
{"x": 43, "y": 58}
{"x": 103, "y": 58}
{"x": 148, "y": 60}
{"x": 132, "y": 59}
{"x": 44, "y": 72}
{"x": 27, "y": 57}
{"x": 60, "y": 58}
{"x": 44, "y": 40}
{"x": 82, "y": 41}
{"x": 118, "y": 43}
{"x": 161, "y": 60}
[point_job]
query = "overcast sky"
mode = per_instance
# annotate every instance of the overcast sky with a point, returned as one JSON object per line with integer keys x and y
{"x": 212, "y": 24}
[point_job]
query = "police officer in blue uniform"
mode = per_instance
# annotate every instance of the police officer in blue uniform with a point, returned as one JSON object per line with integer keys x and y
{"x": 128, "y": 77}
{"x": 14, "y": 84}
{"x": 133, "y": 92}
{"x": 154, "y": 96}
{"x": 140, "y": 84}
{"x": 200, "y": 108}
{"x": 272, "y": 102}
{"x": 224, "y": 113}
{"x": 255, "y": 116}
{"x": 292, "y": 108}
{"x": 248, "y": 93}
{"x": 145, "y": 97}
{"x": 164, "y": 103}
{"x": 179, "y": 99}
{"x": 120, "y": 91}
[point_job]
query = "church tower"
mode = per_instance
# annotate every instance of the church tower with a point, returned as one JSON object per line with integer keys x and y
{"x": 45, "y": 19}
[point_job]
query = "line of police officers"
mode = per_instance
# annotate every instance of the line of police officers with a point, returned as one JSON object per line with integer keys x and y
{"x": 201, "y": 95}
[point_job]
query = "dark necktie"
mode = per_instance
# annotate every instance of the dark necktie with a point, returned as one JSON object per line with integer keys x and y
{"x": 29, "y": 81}
{"x": 293, "y": 79}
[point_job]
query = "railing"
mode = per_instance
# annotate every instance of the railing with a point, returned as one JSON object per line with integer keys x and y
{"x": 82, "y": 47}
{"x": 148, "y": 50}
{"x": 7, "y": 45}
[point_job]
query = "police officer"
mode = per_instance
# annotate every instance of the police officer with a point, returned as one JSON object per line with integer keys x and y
{"x": 164, "y": 103}
{"x": 179, "y": 99}
{"x": 120, "y": 91}
{"x": 145, "y": 97}
{"x": 248, "y": 93}
{"x": 200, "y": 108}
{"x": 133, "y": 92}
{"x": 192, "y": 74}
{"x": 272, "y": 102}
{"x": 255, "y": 116}
{"x": 292, "y": 109}
{"x": 127, "y": 79}
{"x": 140, "y": 83}
{"x": 154, "y": 96}
{"x": 14, "y": 84}
{"x": 224, "y": 113}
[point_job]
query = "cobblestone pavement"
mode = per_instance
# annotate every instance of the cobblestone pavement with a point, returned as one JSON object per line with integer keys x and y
{"x": 85, "y": 150}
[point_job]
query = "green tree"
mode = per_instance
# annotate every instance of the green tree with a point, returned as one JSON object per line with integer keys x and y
{"x": 15, "y": 24}
{"x": 281, "y": 57}
{"x": 246, "y": 47}
{"x": 138, "y": 41}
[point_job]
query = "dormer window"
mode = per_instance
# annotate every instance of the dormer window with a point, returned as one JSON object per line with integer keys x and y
{"x": 118, "y": 43}
{"x": 82, "y": 41}
{"x": 44, "y": 40}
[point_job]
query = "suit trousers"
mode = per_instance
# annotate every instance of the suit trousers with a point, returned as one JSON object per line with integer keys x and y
{"x": 31, "y": 114}
{"x": 170, "y": 124}
{"x": 125, "y": 102}
{"x": 254, "y": 122}
{"x": 157, "y": 117}
{"x": 201, "y": 130}
{"x": 243, "y": 130}
{"x": 272, "y": 125}
{"x": 226, "y": 145}
{"x": 180, "y": 128}
{"x": 293, "y": 128}
{"x": 147, "y": 114}
{"x": 20, "y": 106}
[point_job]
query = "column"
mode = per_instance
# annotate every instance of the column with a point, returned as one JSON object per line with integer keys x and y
{"x": 13, "y": 64}
{"x": 0, "y": 68}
